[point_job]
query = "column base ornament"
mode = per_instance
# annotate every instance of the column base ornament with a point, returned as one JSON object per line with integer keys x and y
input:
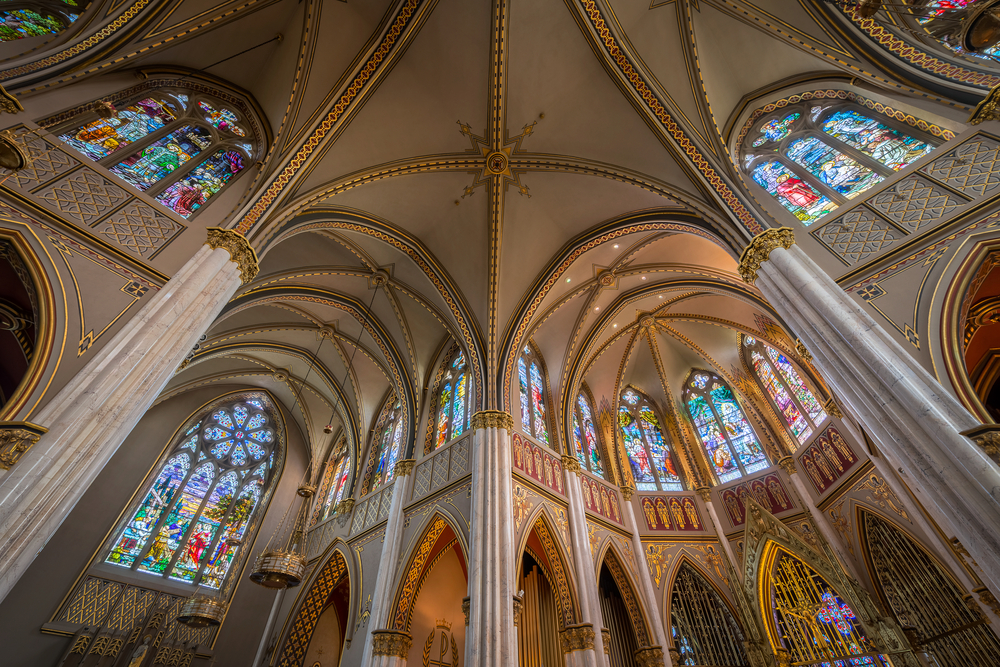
{"x": 572, "y": 464}
{"x": 606, "y": 636}
{"x": 239, "y": 250}
{"x": 15, "y": 439}
{"x": 760, "y": 249}
{"x": 627, "y": 492}
{"x": 577, "y": 637}
{"x": 987, "y": 436}
{"x": 404, "y": 467}
{"x": 649, "y": 656}
{"x": 391, "y": 642}
{"x": 492, "y": 419}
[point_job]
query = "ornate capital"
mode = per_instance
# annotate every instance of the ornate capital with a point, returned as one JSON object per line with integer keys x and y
{"x": 466, "y": 603}
{"x": 760, "y": 249}
{"x": 518, "y": 606}
{"x": 675, "y": 656}
{"x": 15, "y": 439}
{"x": 787, "y": 464}
{"x": 627, "y": 492}
{"x": 782, "y": 657}
{"x": 492, "y": 419}
{"x": 238, "y": 248}
{"x": 988, "y": 599}
{"x": 577, "y": 637}
{"x": 606, "y": 636}
{"x": 572, "y": 464}
{"x": 391, "y": 642}
{"x": 404, "y": 467}
{"x": 801, "y": 350}
{"x": 833, "y": 409}
{"x": 705, "y": 492}
{"x": 649, "y": 656}
{"x": 345, "y": 506}
{"x": 9, "y": 103}
{"x": 987, "y": 109}
{"x": 986, "y": 436}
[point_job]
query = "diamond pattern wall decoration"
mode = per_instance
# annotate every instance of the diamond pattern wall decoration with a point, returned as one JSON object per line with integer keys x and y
{"x": 858, "y": 234}
{"x": 140, "y": 229}
{"x": 83, "y": 196}
{"x": 973, "y": 168}
{"x": 915, "y": 202}
{"x": 46, "y": 162}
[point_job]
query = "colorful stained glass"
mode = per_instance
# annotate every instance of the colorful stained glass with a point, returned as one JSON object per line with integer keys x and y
{"x": 578, "y": 441}
{"x": 239, "y": 456}
{"x": 163, "y": 156}
{"x": 341, "y": 481}
{"x": 700, "y": 381}
{"x": 777, "y": 129}
{"x": 669, "y": 479}
{"x": 833, "y": 168}
{"x": 256, "y": 451}
{"x": 223, "y": 418}
{"x": 593, "y": 451}
{"x": 203, "y": 534}
{"x": 221, "y": 449}
{"x": 224, "y": 119}
{"x": 215, "y": 433}
{"x": 331, "y": 498}
{"x": 522, "y": 376}
{"x": 228, "y": 543}
{"x": 630, "y": 397}
{"x": 800, "y": 198}
{"x": 458, "y": 410}
{"x": 175, "y": 526}
{"x": 890, "y": 147}
{"x": 786, "y": 406}
{"x": 161, "y": 494}
{"x": 192, "y": 191}
{"x": 257, "y": 404}
{"x": 21, "y": 23}
{"x": 936, "y": 8}
{"x": 240, "y": 414}
{"x": 442, "y": 425}
{"x": 256, "y": 422}
{"x": 716, "y": 445}
{"x": 642, "y": 472}
{"x": 806, "y": 398}
{"x": 104, "y": 136}
{"x": 389, "y": 446}
{"x": 397, "y": 446}
{"x": 190, "y": 444}
{"x": 193, "y": 429}
{"x": 262, "y": 436}
{"x": 738, "y": 429}
{"x": 538, "y": 403}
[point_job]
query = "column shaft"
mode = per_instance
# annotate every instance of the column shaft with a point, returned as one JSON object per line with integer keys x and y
{"x": 590, "y": 610}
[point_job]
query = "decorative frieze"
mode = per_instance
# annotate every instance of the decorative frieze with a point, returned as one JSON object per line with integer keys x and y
{"x": 577, "y": 637}
{"x": 539, "y": 463}
{"x": 15, "y": 439}
{"x": 601, "y": 499}
{"x": 768, "y": 490}
{"x": 828, "y": 459}
{"x": 492, "y": 419}
{"x": 833, "y": 409}
{"x": 670, "y": 513}
{"x": 238, "y": 248}
{"x": 760, "y": 249}
{"x": 391, "y": 642}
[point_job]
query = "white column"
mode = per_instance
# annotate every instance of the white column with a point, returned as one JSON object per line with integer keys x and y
{"x": 392, "y": 542}
{"x": 646, "y": 588}
{"x": 389, "y": 648}
{"x": 91, "y": 416}
{"x": 490, "y": 640}
{"x": 590, "y": 605}
{"x": 915, "y": 421}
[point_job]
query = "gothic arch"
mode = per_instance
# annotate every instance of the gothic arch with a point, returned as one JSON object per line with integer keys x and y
{"x": 685, "y": 556}
{"x": 639, "y": 616}
{"x": 541, "y": 523}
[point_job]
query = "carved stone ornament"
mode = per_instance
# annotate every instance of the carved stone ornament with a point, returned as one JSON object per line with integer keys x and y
{"x": 782, "y": 657}
{"x": 572, "y": 464}
{"x": 343, "y": 511}
{"x": 649, "y": 656}
{"x": 787, "y": 464}
{"x": 518, "y": 606}
{"x": 801, "y": 350}
{"x": 466, "y": 604}
{"x": 675, "y": 656}
{"x": 9, "y": 103}
{"x": 238, "y": 248}
{"x": 492, "y": 419}
{"x": 391, "y": 642}
{"x": 987, "y": 109}
{"x": 760, "y": 249}
{"x": 988, "y": 599}
{"x": 833, "y": 409}
{"x": 986, "y": 436}
{"x": 405, "y": 467}
{"x": 606, "y": 636}
{"x": 627, "y": 492}
{"x": 705, "y": 492}
{"x": 15, "y": 439}
{"x": 577, "y": 637}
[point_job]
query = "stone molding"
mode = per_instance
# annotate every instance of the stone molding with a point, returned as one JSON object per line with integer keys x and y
{"x": 492, "y": 419}
{"x": 627, "y": 492}
{"x": 239, "y": 250}
{"x": 577, "y": 637}
{"x": 404, "y": 467}
{"x": 572, "y": 464}
{"x": 391, "y": 642}
{"x": 675, "y": 656}
{"x": 649, "y": 656}
{"x": 15, "y": 439}
{"x": 760, "y": 249}
{"x": 787, "y": 464}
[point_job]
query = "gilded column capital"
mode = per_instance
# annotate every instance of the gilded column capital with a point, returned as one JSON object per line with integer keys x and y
{"x": 466, "y": 604}
{"x": 572, "y": 464}
{"x": 391, "y": 642}
{"x": 15, "y": 439}
{"x": 760, "y": 249}
{"x": 988, "y": 599}
{"x": 675, "y": 656}
{"x": 787, "y": 464}
{"x": 649, "y": 656}
{"x": 833, "y": 409}
{"x": 492, "y": 419}
{"x": 518, "y": 603}
{"x": 345, "y": 506}
{"x": 987, "y": 436}
{"x": 987, "y": 109}
{"x": 404, "y": 467}
{"x": 577, "y": 637}
{"x": 782, "y": 657}
{"x": 9, "y": 103}
{"x": 606, "y": 636}
{"x": 238, "y": 248}
{"x": 627, "y": 492}
{"x": 705, "y": 492}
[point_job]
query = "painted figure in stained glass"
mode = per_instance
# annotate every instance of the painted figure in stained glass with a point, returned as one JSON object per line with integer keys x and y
{"x": 387, "y": 448}
{"x": 649, "y": 456}
{"x": 585, "y": 437}
{"x": 163, "y": 156}
{"x": 776, "y": 130}
{"x": 224, "y": 119}
{"x": 452, "y": 416}
{"x": 532, "y": 387}
{"x": 798, "y": 406}
{"x": 104, "y": 136}
{"x": 191, "y": 192}
{"x": 800, "y": 198}
{"x": 833, "y": 168}
{"x": 21, "y": 23}
{"x": 890, "y": 147}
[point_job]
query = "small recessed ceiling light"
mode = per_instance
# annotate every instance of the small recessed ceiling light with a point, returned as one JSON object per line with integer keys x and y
{"x": 567, "y": 280}
{"x": 660, "y": 297}
{"x": 616, "y": 245}
{"x": 644, "y": 277}
{"x": 597, "y": 308}
{"x": 616, "y": 326}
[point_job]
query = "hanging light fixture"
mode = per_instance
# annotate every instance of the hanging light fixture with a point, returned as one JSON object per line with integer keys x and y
{"x": 981, "y": 27}
{"x": 285, "y": 567}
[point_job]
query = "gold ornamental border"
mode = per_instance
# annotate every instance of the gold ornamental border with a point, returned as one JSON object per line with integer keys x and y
{"x": 759, "y": 251}
{"x": 239, "y": 250}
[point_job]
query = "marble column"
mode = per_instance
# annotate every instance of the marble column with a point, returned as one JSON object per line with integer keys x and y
{"x": 652, "y": 655}
{"x": 392, "y": 542}
{"x": 577, "y": 642}
{"x": 491, "y": 637}
{"x": 91, "y": 416}
{"x": 590, "y": 604}
{"x": 916, "y": 423}
{"x": 389, "y": 648}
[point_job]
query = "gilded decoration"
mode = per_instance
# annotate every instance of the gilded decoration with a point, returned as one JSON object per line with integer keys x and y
{"x": 649, "y": 656}
{"x": 9, "y": 103}
{"x": 628, "y": 596}
{"x": 405, "y": 467}
{"x": 759, "y": 251}
{"x": 884, "y": 496}
{"x": 627, "y": 492}
{"x": 559, "y": 573}
{"x": 15, "y": 439}
{"x": 571, "y": 464}
{"x": 238, "y": 248}
{"x": 518, "y": 603}
{"x": 833, "y": 409}
{"x": 987, "y": 108}
{"x": 392, "y": 643}
{"x": 988, "y": 599}
{"x": 492, "y": 419}
{"x": 577, "y": 637}
{"x": 801, "y": 350}
{"x": 409, "y": 589}
{"x": 466, "y": 605}
{"x": 987, "y": 436}
{"x": 294, "y": 651}
{"x": 606, "y": 636}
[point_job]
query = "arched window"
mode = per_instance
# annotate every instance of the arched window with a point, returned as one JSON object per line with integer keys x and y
{"x": 387, "y": 445}
{"x": 588, "y": 449}
{"x": 729, "y": 441}
{"x": 180, "y": 148}
{"x": 653, "y": 467}
{"x": 193, "y": 518}
{"x": 40, "y": 17}
{"x": 453, "y": 401}
{"x": 340, "y": 471}
{"x": 703, "y": 628}
{"x": 813, "y": 157}
{"x": 529, "y": 374}
{"x": 798, "y": 406}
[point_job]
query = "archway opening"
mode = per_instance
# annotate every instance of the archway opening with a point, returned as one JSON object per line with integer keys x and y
{"x": 18, "y": 321}
{"x": 327, "y": 643}
{"x": 981, "y": 335}
{"x": 538, "y": 628}
{"x": 703, "y": 629}
{"x": 617, "y": 615}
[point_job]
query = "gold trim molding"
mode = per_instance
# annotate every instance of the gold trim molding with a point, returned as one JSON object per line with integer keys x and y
{"x": 15, "y": 439}
{"x": 649, "y": 656}
{"x": 492, "y": 419}
{"x": 577, "y": 637}
{"x": 404, "y": 467}
{"x": 759, "y": 250}
{"x": 9, "y": 103}
{"x": 391, "y": 642}
{"x": 238, "y": 248}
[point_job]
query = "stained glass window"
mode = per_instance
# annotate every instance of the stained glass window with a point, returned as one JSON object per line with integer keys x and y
{"x": 729, "y": 442}
{"x": 800, "y": 198}
{"x": 340, "y": 468}
{"x": 194, "y": 189}
{"x": 154, "y": 162}
{"x": 387, "y": 446}
{"x": 797, "y": 405}
{"x": 192, "y": 519}
{"x": 890, "y": 147}
{"x": 224, "y": 119}
{"x": 831, "y": 167}
{"x": 588, "y": 450}
{"x": 649, "y": 456}
{"x": 103, "y": 137}
{"x": 532, "y": 386}
{"x": 453, "y": 401}
{"x": 21, "y": 23}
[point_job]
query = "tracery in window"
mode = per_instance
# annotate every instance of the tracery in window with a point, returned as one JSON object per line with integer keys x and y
{"x": 192, "y": 519}
{"x": 730, "y": 443}
{"x": 40, "y": 17}
{"x": 813, "y": 157}
{"x": 532, "y": 386}
{"x": 797, "y": 405}
{"x": 183, "y": 150}
{"x": 588, "y": 449}
{"x": 387, "y": 445}
{"x": 453, "y": 401}
{"x": 341, "y": 470}
{"x": 704, "y": 629}
{"x": 651, "y": 460}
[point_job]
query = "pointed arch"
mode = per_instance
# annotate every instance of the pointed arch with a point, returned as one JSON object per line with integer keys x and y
{"x": 627, "y": 587}
{"x": 533, "y": 383}
{"x": 450, "y": 408}
{"x": 556, "y": 558}
{"x": 652, "y": 461}
{"x": 585, "y": 433}
{"x": 386, "y": 446}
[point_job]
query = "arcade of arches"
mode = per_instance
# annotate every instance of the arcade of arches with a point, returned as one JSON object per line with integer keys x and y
{"x": 452, "y": 333}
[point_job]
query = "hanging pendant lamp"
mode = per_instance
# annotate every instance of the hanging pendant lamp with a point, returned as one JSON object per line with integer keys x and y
{"x": 285, "y": 567}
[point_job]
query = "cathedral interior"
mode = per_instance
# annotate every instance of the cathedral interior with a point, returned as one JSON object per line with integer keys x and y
{"x": 488, "y": 333}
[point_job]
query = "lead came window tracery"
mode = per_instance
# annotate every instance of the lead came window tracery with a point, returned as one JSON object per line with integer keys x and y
{"x": 387, "y": 446}
{"x": 588, "y": 449}
{"x": 652, "y": 462}
{"x": 813, "y": 158}
{"x": 193, "y": 518}
{"x": 40, "y": 17}
{"x": 532, "y": 388}
{"x": 453, "y": 403}
{"x": 703, "y": 628}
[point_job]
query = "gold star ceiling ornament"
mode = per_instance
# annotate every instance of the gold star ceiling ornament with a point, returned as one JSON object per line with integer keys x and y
{"x": 496, "y": 163}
